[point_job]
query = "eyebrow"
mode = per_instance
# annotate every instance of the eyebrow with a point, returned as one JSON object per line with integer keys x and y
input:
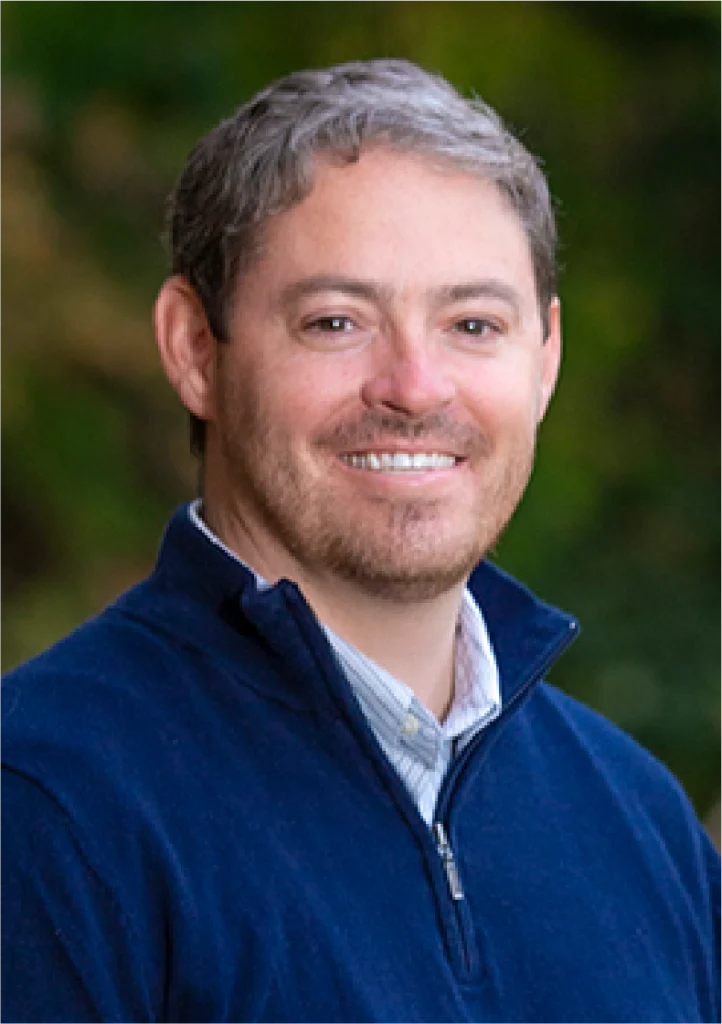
{"x": 488, "y": 288}
{"x": 383, "y": 294}
{"x": 357, "y": 287}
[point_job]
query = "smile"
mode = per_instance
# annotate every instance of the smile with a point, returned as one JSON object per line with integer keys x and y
{"x": 400, "y": 462}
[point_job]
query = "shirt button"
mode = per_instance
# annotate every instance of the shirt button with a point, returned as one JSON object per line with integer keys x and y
{"x": 410, "y": 726}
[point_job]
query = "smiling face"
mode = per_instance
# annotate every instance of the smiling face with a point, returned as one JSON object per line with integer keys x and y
{"x": 373, "y": 416}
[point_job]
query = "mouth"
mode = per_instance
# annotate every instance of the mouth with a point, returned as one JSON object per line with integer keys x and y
{"x": 401, "y": 462}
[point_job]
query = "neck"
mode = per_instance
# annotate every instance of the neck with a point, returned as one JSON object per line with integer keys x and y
{"x": 414, "y": 641}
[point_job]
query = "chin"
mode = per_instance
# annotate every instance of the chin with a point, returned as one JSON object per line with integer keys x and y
{"x": 407, "y": 587}
{"x": 404, "y": 572}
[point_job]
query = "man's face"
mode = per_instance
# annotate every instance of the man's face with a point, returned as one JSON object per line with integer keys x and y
{"x": 376, "y": 407}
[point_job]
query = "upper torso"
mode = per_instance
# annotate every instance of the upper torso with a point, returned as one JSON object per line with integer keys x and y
{"x": 255, "y": 857}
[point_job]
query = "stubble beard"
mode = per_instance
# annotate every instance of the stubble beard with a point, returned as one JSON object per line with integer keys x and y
{"x": 400, "y": 550}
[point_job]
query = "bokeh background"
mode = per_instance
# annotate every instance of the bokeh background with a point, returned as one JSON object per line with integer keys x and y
{"x": 101, "y": 104}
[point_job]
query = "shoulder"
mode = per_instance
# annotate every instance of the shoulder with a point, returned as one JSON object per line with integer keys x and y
{"x": 608, "y": 760}
{"x": 103, "y": 665}
{"x": 591, "y": 731}
{"x": 88, "y": 706}
{"x": 106, "y": 736}
{"x": 134, "y": 703}
{"x": 100, "y": 717}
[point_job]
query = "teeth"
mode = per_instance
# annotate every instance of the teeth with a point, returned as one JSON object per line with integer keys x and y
{"x": 396, "y": 462}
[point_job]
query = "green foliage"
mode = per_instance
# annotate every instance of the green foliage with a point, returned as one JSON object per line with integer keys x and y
{"x": 101, "y": 103}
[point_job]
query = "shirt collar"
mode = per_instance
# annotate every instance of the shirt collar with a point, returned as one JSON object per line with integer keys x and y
{"x": 194, "y": 514}
{"x": 389, "y": 704}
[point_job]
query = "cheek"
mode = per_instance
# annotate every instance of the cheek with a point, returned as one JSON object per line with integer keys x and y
{"x": 312, "y": 393}
{"x": 505, "y": 402}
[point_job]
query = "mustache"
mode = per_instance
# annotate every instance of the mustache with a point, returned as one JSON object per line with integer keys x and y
{"x": 440, "y": 429}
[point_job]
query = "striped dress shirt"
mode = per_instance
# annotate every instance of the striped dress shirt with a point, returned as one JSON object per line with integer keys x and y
{"x": 418, "y": 746}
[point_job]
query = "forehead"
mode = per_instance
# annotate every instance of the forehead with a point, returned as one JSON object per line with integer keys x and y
{"x": 398, "y": 219}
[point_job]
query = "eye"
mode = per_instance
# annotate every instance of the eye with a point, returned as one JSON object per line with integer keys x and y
{"x": 331, "y": 324}
{"x": 477, "y": 326}
{"x": 334, "y": 331}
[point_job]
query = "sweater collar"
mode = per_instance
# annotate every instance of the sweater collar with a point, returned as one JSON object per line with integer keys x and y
{"x": 526, "y": 633}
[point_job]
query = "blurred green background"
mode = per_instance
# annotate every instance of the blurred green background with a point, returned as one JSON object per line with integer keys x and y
{"x": 101, "y": 103}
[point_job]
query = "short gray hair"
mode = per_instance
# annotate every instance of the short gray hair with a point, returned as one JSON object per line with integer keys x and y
{"x": 260, "y": 161}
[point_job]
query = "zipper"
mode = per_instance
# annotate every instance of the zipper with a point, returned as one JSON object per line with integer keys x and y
{"x": 462, "y": 945}
{"x": 464, "y": 921}
{"x": 449, "y": 861}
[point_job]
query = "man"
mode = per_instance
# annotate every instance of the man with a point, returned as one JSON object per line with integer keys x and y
{"x": 309, "y": 770}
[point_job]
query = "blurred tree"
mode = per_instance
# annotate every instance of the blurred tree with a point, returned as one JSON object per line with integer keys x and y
{"x": 102, "y": 101}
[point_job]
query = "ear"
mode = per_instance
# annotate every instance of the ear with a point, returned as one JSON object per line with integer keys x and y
{"x": 187, "y": 345}
{"x": 551, "y": 357}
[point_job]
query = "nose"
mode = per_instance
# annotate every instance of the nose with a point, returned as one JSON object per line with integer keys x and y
{"x": 409, "y": 380}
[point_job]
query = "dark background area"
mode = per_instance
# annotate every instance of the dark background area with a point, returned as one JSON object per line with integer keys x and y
{"x": 101, "y": 104}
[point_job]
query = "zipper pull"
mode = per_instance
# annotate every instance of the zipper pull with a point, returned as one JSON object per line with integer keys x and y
{"x": 447, "y": 859}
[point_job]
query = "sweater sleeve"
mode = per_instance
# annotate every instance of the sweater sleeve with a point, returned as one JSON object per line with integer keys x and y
{"x": 715, "y": 884}
{"x": 66, "y": 953}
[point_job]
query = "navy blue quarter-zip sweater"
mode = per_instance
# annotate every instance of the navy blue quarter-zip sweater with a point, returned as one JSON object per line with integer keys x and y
{"x": 199, "y": 825}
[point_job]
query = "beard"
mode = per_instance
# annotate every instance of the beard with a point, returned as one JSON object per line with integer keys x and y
{"x": 405, "y": 549}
